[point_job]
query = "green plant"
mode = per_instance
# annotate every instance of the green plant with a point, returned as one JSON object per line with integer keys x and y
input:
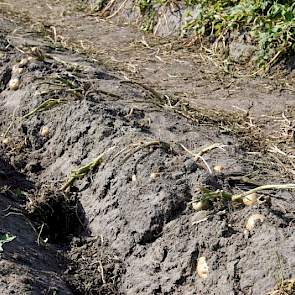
{"x": 85, "y": 169}
{"x": 44, "y": 106}
{"x": 97, "y": 5}
{"x": 5, "y": 238}
{"x": 271, "y": 24}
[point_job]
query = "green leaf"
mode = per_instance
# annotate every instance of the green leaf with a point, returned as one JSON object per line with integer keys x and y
{"x": 5, "y": 238}
{"x": 18, "y": 192}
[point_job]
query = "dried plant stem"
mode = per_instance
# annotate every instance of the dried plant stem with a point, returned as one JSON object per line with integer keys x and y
{"x": 204, "y": 150}
{"x": 81, "y": 172}
{"x": 263, "y": 187}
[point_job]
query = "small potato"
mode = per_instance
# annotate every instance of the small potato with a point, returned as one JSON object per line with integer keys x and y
{"x": 5, "y": 141}
{"x": 17, "y": 70}
{"x": 253, "y": 220}
{"x": 14, "y": 84}
{"x": 202, "y": 267}
{"x": 218, "y": 168}
{"x": 23, "y": 62}
{"x": 44, "y": 131}
{"x": 201, "y": 205}
{"x": 250, "y": 199}
{"x": 31, "y": 58}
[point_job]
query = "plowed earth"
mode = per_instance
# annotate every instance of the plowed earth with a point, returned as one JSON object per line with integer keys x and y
{"x": 125, "y": 224}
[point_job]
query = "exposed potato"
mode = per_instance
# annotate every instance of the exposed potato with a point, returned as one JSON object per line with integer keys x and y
{"x": 253, "y": 220}
{"x": 201, "y": 205}
{"x": 202, "y": 267}
{"x": 44, "y": 131}
{"x": 14, "y": 84}
{"x": 5, "y": 140}
{"x": 23, "y": 62}
{"x": 17, "y": 70}
{"x": 250, "y": 200}
{"x": 218, "y": 168}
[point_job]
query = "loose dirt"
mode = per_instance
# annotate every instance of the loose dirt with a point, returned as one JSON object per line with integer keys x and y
{"x": 124, "y": 223}
{"x": 166, "y": 64}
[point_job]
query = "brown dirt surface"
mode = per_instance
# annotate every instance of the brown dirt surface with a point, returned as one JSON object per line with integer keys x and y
{"x": 99, "y": 167}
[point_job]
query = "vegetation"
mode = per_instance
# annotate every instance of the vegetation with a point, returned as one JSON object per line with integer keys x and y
{"x": 5, "y": 238}
{"x": 269, "y": 23}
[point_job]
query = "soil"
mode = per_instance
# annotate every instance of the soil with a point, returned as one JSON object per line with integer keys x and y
{"x": 125, "y": 224}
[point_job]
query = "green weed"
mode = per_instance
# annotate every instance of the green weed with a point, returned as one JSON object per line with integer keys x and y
{"x": 85, "y": 169}
{"x": 5, "y": 238}
{"x": 269, "y": 23}
{"x": 44, "y": 106}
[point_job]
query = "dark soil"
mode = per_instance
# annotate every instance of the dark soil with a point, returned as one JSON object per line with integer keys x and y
{"x": 127, "y": 226}
{"x": 26, "y": 266}
{"x": 171, "y": 66}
